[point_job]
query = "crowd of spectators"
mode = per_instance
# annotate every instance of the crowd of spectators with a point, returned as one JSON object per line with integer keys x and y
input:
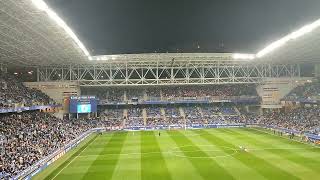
{"x": 135, "y": 118}
{"x": 174, "y": 116}
{"x": 105, "y": 94}
{"x": 26, "y": 138}
{"x": 153, "y": 93}
{"x": 216, "y": 119}
{"x": 228, "y": 110}
{"x": 233, "y": 119}
{"x": 209, "y": 91}
{"x": 113, "y": 114}
{"x": 251, "y": 118}
{"x": 193, "y": 115}
{"x": 301, "y": 119}
{"x": 173, "y": 92}
{"x": 113, "y": 117}
{"x": 209, "y": 111}
{"x": 135, "y": 93}
{"x": 308, "y": 91}
{"x": 154, "y": 117}
{"x": 14, "y": 94}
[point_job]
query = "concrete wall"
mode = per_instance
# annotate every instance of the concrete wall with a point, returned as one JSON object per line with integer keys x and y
{"x": 274, "y": 89}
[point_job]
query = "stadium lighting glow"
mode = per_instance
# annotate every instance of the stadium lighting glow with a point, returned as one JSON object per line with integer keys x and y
{"x": 105, "y": 57}
{"x": 243, "y": 56}
{"x": 41, "y": 5}
{"x": 292, "y": 36}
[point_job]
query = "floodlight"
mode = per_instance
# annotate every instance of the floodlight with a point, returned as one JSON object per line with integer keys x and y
{"x": 243, "y": 56}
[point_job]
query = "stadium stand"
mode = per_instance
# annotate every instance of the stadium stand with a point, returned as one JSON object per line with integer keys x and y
{"x": 308, "y": 91}
{"x": 174, "y": 117}
{"x": 28, "y": 137}
{"x": 106, "y": 95}
{"x": 301, "y": 119}
{"x": 193, "y": 115}
{"x": 209, "y": 91}
{"x": 135, "y": 118}
{"x": 153, "y": 93}
{"x": 135, "y": 93}
{"x": 154, "y": 118}
{"x": 112, "y": 95}
{"x": 14, "y": 94}
{"x": 209, "y": 111}
{"x": 113, "y": 117}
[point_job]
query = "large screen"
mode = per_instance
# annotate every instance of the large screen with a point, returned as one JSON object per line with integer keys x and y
{"x": 84, "y": 108}
{"x": 83, "y": 104}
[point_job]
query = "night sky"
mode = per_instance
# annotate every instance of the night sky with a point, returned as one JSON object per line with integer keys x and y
{"x": 146, "y": 26}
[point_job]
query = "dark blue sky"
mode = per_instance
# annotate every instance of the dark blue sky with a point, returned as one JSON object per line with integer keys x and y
{"x": 144, "y": 26}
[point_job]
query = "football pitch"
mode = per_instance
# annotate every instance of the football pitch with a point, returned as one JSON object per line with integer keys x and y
{"x": 233, "y": 153}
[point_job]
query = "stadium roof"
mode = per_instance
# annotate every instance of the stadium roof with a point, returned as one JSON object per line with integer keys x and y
{"x": 302, "y": 45}
{"x": 33, "y": 34}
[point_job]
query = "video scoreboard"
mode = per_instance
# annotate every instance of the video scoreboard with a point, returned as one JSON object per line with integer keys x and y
{"x": 83, "y": 104}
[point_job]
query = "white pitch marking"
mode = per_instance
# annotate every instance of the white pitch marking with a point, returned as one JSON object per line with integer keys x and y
{"x": 72, "y": 160}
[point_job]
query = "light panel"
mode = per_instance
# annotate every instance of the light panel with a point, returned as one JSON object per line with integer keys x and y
{"x": 243, "y": 56}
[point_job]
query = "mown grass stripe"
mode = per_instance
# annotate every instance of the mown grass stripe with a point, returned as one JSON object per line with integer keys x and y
{"x": 70, "y": 159}
{"x": 312, "y": 152}
{"x": 224, "y": 156}
{"x": 179, "y": 168}
{"x": 208, "y": 168}
{"x": 283, "y": 139}
{"x": 260, "y": 165}
{"x": 153, "y": 166}
{"x": 284, "y": 153}
{"x": 103, "y": 167}
{"x": 129, "y": 165}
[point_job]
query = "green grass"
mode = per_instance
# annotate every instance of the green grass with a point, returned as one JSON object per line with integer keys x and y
{"x": 193, "y": 154}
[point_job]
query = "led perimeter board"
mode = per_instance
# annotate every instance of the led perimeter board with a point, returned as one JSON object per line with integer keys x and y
{"x": 83, "y": 104}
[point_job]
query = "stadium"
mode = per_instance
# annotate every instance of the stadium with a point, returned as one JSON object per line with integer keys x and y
{"x": 67, "y": 112}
